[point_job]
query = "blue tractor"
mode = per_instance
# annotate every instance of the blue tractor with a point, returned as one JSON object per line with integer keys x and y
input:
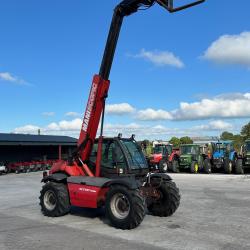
{"x": 224, "y": 156}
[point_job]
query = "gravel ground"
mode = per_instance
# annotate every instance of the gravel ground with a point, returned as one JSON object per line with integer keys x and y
{"x": 214, "y": 214}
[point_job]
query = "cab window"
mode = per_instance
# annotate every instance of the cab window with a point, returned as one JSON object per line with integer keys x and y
{"x": 109, "y": 160}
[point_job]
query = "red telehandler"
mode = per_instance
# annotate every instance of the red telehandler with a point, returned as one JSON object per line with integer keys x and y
{"x": 110, "y": 172}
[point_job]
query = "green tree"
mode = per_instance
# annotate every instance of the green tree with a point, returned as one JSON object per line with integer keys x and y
{"x": 245, "y": 131}
{"x": 227, "y": 136}
{"x": 175, "y": 141}
{"x": 238, "y": 141}
{"x": 186, "y": 140}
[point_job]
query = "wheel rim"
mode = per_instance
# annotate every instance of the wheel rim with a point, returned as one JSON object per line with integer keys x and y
{"x": 230, "y": 167}
{"x": 196, "y": 168}
{"x": 120, "y": 206}
{"x": 50, "y": 200}
{"x": 165, "y": 166}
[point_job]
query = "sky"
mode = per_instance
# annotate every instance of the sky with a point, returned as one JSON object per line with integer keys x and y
{"x": 186, "y": 73}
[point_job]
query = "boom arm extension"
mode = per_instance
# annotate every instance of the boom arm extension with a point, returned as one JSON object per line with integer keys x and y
{"x": 100, "y": 85}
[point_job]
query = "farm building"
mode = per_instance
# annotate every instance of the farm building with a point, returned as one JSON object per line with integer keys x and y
{"x": 22, "y": 147}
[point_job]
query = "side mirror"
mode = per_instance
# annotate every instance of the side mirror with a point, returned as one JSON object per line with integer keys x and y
{"x": 171, "y": 7}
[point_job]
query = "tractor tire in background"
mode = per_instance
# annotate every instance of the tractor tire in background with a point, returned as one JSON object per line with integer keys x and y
{"x": 207, "y": 167}
{"x": 124, "y": 208}
{"x": 239, "y": 167}
{"x": 169, "y": 201}
{"x": 194, "y": 169}
{"x": 163, "y": 166}
{"x": 175, "y": 166}
{"x": 54, "y": 199}
{"x": 228, "y": 166}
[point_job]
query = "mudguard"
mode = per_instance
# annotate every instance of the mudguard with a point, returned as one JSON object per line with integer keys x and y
{"x": 57, "y": 177}
{"x": 161, "y": 175}
{"x": 128, "y": 181}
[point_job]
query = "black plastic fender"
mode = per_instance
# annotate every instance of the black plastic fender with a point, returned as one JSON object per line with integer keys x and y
{"x": 163, "y": 176}
{"x": 57, "y": 177}
{"x": 128, "y": 181}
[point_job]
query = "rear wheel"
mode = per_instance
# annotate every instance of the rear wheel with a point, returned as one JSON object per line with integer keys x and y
{"x": 228, "y": 166}
{"x": 168, "y": 202}
{"x": 125, "y": 208}
{"x": 54, "y": 199}
{"x": 194, "y": 167}
{"x": 239, "y": 167}
{"x": 163, "y": 166}
{"x": 175, "y": 166}
{"x": 207, "y": 167}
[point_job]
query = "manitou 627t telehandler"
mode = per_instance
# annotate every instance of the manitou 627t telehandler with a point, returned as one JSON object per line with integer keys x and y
{"x": 110, "y": 172}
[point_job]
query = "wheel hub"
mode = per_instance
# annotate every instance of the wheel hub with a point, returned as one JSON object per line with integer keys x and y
{"x": 120, "y": 206}
{"x": 50, "y": 200}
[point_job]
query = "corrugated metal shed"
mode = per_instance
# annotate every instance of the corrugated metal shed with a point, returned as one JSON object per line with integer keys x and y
{"x": 36, "y": 140}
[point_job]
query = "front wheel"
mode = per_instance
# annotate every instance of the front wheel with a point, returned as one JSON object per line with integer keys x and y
{"x": 125, "y": 208}
{"x": 207, "y": 167}
{"x": 169, "y": 200}
{"x": 175, "y": 166}
{"x": 239, "y": 167}
{"x": 54, "y": 199}
{"x": 163, "y": 166}
{"x": 228, "y": 166}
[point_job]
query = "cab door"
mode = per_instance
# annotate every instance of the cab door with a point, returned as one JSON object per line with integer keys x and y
{"x": 113, "y": 161}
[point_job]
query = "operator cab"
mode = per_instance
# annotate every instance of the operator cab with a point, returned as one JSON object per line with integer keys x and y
{"x": 162, "y": 149}
{"x": 189, "y": 149}
{"x": 120, "y": 156}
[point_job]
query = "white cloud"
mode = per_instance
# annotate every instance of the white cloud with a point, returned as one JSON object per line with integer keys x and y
{"x": 160, "y": 58}
{"x": 27, "y": 129}
{"x": 72, "y": 114}
{"x": 119, "y": 109}
{"x": 153, "y": 115}
{"x": 8, "y": 77}
{"x": 236, "y": 105}
{"x": 230, "y": 49}
{"x": 48, "y": 113}
{"x": 224, "y": 106}
{"x": 217, "y": 125}
{"x": 64, "y": 125}
{"x": 5, "y": 76}
{"x": 70, "y": 128}
{"x": 142, "y": 131}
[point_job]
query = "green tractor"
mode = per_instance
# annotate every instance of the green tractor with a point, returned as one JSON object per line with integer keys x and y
{"x": 244, "y": 158}
{"x": 194, "y": 158}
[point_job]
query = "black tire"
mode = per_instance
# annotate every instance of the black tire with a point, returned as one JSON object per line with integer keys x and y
{"x": 17, "y": 171}
{"x": 54, "y": 199}
{"x": 207, "y": 166}
{"x": 169, "y": 201}
{"x": 124, "y": 208}
{"x": 239, "y": 167}
{"x": 163, "y": 166}
{"x": 175, "y": 166}
{"x": 228, "y": 166}
{"x": 194, "y": 169}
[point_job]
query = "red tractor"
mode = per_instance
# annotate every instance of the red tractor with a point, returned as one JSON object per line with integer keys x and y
{"x": 109, "y": 172}
{"x": 163, "y": 157}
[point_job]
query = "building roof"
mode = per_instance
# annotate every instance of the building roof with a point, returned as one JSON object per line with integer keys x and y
{"x": 26, "y": 139}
